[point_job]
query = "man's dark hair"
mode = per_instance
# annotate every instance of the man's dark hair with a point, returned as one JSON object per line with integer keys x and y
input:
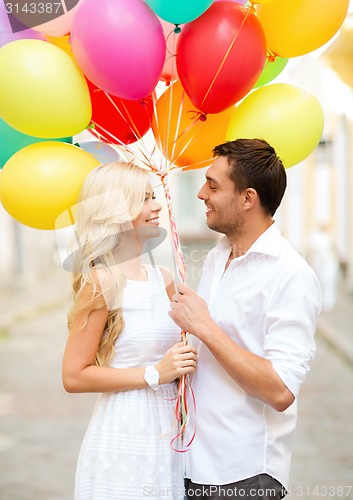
{"x": 255, "y": 164}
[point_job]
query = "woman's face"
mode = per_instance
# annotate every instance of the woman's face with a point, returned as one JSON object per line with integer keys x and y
{"x": 147, "y": 223}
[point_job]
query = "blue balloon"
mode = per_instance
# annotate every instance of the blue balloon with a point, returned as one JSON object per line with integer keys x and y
{"x": 179, "y": 11}
{"x": 12, "y": 140}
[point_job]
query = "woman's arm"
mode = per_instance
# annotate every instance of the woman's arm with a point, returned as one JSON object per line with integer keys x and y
{"x": 80, "y": 374}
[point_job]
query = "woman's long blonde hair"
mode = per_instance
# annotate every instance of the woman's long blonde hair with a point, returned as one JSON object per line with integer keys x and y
{"x": 111, "y": 197}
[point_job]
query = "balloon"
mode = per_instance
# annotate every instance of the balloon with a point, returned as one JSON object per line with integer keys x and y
{"x": 171, "y": 35}
{"x": 241, "y": 2}
{"x": 12, "y": 141}
{"x": 6, "y": 34}
{"x": 296, "y": 27}
{"x": 104, "y": 153}
{"x": 119, "y": 46}
{"x": 63, "y": 42}
{"x": 42, "y": 91}
{"x": 119, "y": 120}
{"x": 261, "y": 1}
{"x": 218, "y": 74}
{"x": 271, "y": 69}
{"x": 184, "y": 138}
{"x": 182, "y": 11}
{"x": 42, "y": 180}
{"x": 61, "y": 25}
{"x": 286, "y": 116}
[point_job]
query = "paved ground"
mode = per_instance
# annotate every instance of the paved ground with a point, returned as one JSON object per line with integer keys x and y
{"x": 41, "y": 427}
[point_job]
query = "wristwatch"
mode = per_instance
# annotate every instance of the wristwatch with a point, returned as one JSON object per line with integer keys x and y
{"x": 151, "y": 376}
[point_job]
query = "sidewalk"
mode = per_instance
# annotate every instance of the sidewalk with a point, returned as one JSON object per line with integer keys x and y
{"x": 24, "y": 300}
{"x": 42, "y": 426}
{"x": 335, "y": 326}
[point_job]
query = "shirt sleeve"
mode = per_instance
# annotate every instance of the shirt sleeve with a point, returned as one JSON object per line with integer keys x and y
{"x": 290, "y": 325}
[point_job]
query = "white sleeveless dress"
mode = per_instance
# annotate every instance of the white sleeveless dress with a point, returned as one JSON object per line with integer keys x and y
{"x": 126, "y": 452}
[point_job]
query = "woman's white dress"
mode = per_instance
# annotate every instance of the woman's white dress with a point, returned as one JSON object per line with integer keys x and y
{"x": 126, "y": 452}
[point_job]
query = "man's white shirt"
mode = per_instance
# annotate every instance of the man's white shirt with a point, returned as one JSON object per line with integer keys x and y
{"x": 267, "y": 301}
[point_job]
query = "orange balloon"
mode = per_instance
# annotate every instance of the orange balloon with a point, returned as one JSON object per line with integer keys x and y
{"x": 184, "y": 135}
{"x": 62, "y": 42}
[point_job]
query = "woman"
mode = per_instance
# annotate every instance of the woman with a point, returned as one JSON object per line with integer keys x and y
{"x": 123, "y": 344}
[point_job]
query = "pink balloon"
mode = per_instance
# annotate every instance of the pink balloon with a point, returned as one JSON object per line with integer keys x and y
{"x": 119, "y": 45}
{"x": 170, "y": 72}
{"x": 242, "y": 2}
{"x": 60, "y": 26}
{"x": 6, "y": 34}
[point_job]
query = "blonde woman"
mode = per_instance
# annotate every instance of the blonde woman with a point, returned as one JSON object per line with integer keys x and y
{"x": 123, "y": 344}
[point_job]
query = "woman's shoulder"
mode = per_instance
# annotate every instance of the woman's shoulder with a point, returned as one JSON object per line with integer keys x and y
{"x": 104, "y": 283}
{"x": 167, "y": 275}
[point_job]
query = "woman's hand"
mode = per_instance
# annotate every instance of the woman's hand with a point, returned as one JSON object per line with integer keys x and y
{"x": 179, "y": 360}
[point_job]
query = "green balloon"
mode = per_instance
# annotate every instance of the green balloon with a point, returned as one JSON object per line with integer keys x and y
{"x": 271, "y": 70}
{"x": 179, "y": 11}
{"x": 11, "y": 141}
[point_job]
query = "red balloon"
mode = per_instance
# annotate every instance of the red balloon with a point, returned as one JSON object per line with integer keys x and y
{"x": 220, "y": 56}
{"x": 119, "y": 121}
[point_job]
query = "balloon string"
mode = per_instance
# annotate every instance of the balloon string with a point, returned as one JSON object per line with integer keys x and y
{"x": 181, "y": 408}
{"x": 112, "y": 136}
{"x": 183, "y": 415}
{"x": 130, "y": 123}
{"x": 132, "y": 126}
{"x": 176, "y": 241}
{"x": 178, "y": 124}
{"x": 182, "y": 418}
{"x": 200, "y": 117}
{"x": 172, "y": 55}
{"x": 248, "y": 12}
{"x": 155, "y": 116}
{"x": 199, "y": 164}
{"x": 270, "y": 56}
{"x": 144, "y": 159}
{"x": 166, "y": 40}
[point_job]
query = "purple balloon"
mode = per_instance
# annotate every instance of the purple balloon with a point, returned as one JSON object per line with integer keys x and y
{"x": 119, "y": 45}
{"x": 6, "y": 34}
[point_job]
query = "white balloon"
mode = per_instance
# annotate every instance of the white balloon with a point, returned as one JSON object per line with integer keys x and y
{"x": 105, "y": 153}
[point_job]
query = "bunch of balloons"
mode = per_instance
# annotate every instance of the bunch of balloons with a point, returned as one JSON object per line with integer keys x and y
{"x": 192, "y": 73}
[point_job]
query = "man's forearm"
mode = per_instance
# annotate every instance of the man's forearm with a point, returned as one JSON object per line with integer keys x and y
{"x": 251, "y": 372}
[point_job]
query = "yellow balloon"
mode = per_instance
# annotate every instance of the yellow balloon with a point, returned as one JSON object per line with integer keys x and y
{"x": 261, "y": 1}
{"x": 186, "y": 137}
{"x": 42, "y": 180}
{"x": 296, "y": 27}
{"x": 42, "y": 91}
{"x": 286, "y": 116}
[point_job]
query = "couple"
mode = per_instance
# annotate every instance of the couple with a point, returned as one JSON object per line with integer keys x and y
{"x": 251, "y": 339}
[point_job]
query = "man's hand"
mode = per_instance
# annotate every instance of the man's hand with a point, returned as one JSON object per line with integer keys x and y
{"x": 189, "y": 311}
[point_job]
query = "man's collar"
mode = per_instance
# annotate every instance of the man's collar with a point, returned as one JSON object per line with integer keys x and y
{"x": 268, "y": 243}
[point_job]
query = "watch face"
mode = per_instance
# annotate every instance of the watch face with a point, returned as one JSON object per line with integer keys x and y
{"x": 151, "y": 376}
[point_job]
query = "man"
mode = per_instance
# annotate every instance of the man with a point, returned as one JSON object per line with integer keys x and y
{"x": 253, "y": 323}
